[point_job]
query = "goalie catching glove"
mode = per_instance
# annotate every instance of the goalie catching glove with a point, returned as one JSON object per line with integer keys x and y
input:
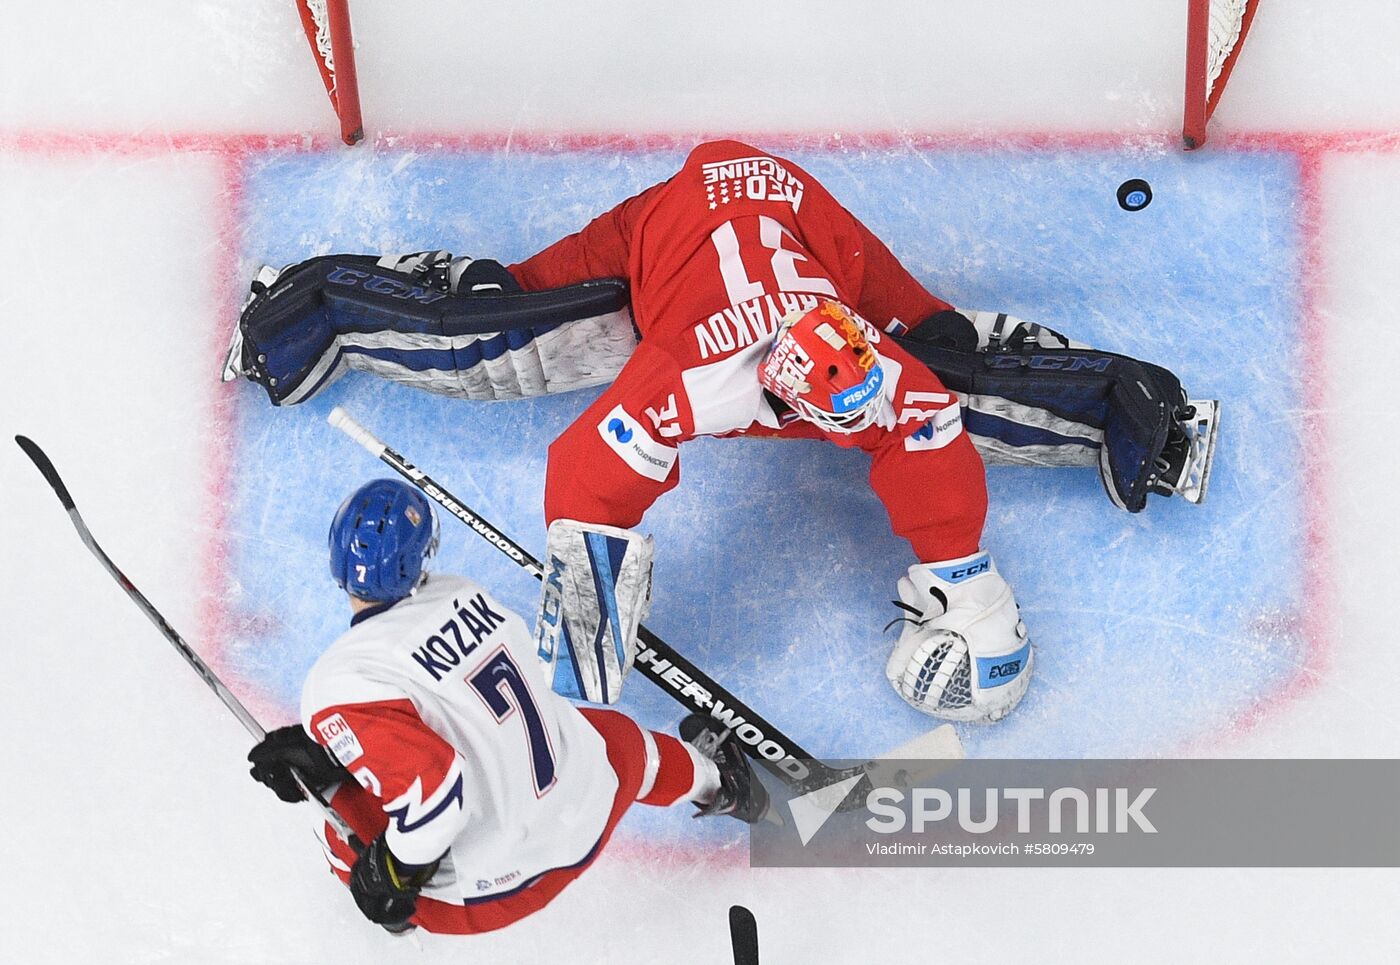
{"x": 597, "y": 591}
{"x": 965, "y": 654}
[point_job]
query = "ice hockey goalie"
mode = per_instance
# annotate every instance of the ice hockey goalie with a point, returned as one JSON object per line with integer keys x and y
{"x": 740, "y": 298}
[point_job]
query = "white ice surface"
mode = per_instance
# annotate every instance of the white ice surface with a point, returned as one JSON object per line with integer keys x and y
{"x": 131, "y": 833}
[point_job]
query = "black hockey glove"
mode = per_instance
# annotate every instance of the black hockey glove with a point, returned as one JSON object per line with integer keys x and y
{"x": 385, "y": 888}
{"x": 285, "y": 748}
{"x": 947, "y": 329}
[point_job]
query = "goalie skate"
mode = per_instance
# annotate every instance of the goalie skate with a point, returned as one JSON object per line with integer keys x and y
{"x": 234, "y": 365}
{"x": 1185, "y": 464}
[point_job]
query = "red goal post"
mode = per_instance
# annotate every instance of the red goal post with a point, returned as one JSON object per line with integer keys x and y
{"x": 327, "y": 25}
{"x": 1215, "y": 32}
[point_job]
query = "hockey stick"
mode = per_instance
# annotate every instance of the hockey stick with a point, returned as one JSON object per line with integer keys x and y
{"x": 663, "y": 666}
{"x": 743, "y": 935}
{"x": 45, "y": 466}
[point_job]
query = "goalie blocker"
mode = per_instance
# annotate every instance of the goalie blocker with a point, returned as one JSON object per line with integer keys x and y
{"x": 464, "y": 328}
{"x": 596, "y": 591}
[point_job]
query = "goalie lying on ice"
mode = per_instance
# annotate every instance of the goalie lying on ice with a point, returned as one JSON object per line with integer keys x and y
{"x": 759, "y": 306}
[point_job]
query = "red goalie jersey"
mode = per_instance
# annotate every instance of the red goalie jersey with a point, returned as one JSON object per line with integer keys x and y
{"x": 715, "y": 257}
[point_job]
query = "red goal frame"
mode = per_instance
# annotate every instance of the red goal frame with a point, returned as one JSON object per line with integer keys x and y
{"x": 341, "y": 84}
{"x": 1199, "y": 105}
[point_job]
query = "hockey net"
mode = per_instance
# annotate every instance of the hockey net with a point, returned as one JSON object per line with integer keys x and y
{"x": 1215, "y": 32}
{"x": 327, "y": 25}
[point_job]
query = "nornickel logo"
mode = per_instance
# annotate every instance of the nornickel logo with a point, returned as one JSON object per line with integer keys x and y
{"x": 619, "y": 428}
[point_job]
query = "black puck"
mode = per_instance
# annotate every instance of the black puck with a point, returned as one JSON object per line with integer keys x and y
{"x": 1134, "y": 194}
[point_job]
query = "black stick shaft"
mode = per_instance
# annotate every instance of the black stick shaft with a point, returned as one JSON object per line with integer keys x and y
{"x": 743, "y": 935}
{"x": 249, "y": 722}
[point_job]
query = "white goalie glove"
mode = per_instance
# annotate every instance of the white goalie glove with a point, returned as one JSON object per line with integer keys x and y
{"x": 597, "y": 591}
{"x": 965, "y": 655}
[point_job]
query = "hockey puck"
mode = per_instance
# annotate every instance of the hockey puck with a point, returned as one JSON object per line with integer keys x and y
{"x": 1134, "y": 194}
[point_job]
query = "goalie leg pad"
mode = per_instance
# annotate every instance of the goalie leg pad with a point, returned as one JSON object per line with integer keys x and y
{"x": 596, "y": 592}
{"x": 1062, "y": 407}
{"x": 998, "y": 331}
{"x": 971, "y": 331}
{"x": 451, "y": 325}
{"x": 966, "y": 656}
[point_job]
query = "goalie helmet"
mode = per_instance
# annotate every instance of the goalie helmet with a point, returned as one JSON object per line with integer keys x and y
{"x": 823, "y": 365}
{"x": 379, "y": 540}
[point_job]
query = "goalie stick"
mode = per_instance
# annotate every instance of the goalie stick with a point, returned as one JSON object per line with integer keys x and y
{"x": 45, "y": 466}
{"x": 662, "y": 665}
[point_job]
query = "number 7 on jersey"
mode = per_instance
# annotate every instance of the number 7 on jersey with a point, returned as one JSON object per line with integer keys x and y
{"x": 503, "y": 689}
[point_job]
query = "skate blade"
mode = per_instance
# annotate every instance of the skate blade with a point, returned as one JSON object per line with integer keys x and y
{"x": 1204, "y": 428}
{"x": 233, "y": 361}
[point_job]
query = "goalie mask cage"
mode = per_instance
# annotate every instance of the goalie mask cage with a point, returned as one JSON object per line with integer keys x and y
{"x": 327, "y": 25}
{"x": 1215, "y": 32}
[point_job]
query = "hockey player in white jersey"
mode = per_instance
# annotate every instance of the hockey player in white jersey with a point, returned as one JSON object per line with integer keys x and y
{"x": 431, "y": 728}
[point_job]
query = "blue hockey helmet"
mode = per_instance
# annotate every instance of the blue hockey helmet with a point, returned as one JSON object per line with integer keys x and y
{"x": 380, "y": 538}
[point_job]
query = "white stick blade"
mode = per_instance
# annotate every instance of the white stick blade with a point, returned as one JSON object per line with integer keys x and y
{"x": 941, "y": 743}
{"x": 919, "y": 761}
